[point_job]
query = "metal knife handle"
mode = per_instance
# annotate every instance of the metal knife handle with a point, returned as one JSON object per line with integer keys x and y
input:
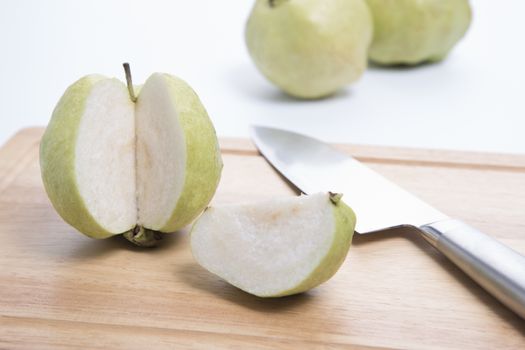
{"x": 497, "y": 268}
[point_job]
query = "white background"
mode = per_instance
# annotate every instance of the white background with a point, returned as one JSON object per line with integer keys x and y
{"x": 475, "y": 100}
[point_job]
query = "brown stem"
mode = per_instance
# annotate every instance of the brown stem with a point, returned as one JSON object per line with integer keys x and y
{"x": 127, "y": 69}
{"x": 274, "y": 3}
{"x": 143, "y": 237}
{"x": 335, "y": 197}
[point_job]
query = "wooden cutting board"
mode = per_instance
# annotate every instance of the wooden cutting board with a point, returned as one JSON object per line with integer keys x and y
{"x": 59, "y": 289}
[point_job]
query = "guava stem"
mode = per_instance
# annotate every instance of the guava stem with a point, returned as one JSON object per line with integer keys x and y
{"x": 143, "y": 237}
{"x": 274, "y": 3}
{"x": 335, "y": 197}
{"x": 127, "y": 69}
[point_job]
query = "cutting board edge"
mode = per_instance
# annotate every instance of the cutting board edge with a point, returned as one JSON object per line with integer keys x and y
{"x": 25, "y": 139}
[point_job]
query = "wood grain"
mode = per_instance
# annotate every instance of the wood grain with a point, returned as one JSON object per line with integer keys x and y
{"x": 63, "y": 290}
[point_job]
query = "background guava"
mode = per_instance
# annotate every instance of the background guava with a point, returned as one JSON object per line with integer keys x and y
{"x": 414, "y": 31}
{"x": 309, "y": 48}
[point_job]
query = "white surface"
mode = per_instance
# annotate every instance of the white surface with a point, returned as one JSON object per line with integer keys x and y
{"x": 160, "y": 153}
{"x": 474, "y": 100}
{"x": 104, "y": 158}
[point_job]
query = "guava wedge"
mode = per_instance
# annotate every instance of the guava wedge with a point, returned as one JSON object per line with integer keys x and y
{"x": 278, "y": 247}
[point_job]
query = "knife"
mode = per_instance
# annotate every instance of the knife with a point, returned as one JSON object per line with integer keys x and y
{"x": 313, "y": 166}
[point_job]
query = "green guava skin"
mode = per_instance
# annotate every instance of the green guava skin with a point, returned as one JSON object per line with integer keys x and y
{"x": 203, "y": 156}
{"x": 309, "y": 48}
{"x": 57, "y": 158}
{"x": 345, "y": 221}
{"x": 57, "y": 161}
{"x": 410, "y": 32}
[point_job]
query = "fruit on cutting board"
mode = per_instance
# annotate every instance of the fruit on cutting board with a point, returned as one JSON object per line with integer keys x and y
{"x": 277, "y": 247}
{"x": 309, "y": 48}
{"x": 414, "y": 31}
{"x": 115, "y": 163}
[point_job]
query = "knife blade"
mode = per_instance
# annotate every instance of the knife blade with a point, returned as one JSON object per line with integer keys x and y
{"x": 314, "y": 166}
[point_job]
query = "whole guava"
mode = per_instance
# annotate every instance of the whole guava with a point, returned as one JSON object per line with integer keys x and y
{"x": 415, "y": 31}
{"x": 309, "y": 48}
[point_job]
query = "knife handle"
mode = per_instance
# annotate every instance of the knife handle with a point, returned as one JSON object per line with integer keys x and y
{"x": 497, "y": 268}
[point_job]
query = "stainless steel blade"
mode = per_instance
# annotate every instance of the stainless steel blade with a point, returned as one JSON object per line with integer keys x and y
{"x": 314, "y": 166}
